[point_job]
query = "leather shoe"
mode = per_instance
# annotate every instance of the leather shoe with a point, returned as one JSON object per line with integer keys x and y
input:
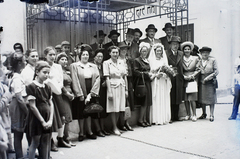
{"x": 53, "y": 146}
{"x": 123, "y": 128}
{"x": 211, "y": 118}
{"x": 100, "y": 134}
{"x": 62, "y": 143}
{"x": 80, "y": 138}
{"x": 105, "y": 133}
{"x": 203, "y": 116}
{"x": 147, "y": 124}
{"x": 129, "y": 128}
{"x": 142, "y": 124}
{"x": 231, "y": 118}
{"x": 92, "y": 136}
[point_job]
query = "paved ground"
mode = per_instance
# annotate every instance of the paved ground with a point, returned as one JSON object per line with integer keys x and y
{"x": 181, "y": 140}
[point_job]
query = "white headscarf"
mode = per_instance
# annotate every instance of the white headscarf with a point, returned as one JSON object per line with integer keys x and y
{"x": 143, "y": 44}
{"x": 154, "y": 63}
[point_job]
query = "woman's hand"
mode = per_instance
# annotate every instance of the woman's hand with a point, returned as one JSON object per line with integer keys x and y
{"x": 87, "y": 100}
{"x": 81, "y": 98}
{"x": 104, "y": 84}
{"x": 70, "y": 96}
{"x": 49, "y": 124}
{"x": 44, "y": 124}
{"x": 126, "y": 93}
{"x": 110, "y": 96}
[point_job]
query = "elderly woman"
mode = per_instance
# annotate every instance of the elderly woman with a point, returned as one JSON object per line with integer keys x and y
{"x": 141, "y": 71}
{"x": 99, "y": 123}
{"x": 115, "y": 72}
{"x": 161, "y": 85}
{"x": 189, "y": 74}
{"x": 85, "y": 84}
{"x": 55, "y": 81}
{"x": 207, "y": 82}
{"x": 67, "y": 94}
{"x": 130, "y": 100}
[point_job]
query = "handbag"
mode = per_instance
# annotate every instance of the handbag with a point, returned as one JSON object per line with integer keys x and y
{"x": 93, "y": 106}
{"x": 140, "y": 89}
{"x": 127, "y": 113}
{"x": 192, "y": 87}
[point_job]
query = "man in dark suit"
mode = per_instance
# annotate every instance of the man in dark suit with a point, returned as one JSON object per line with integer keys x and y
{"x": 100, "y": 35}
{"x": 175, "y": 60}
{"x": 168, "y": 29}
{"x": 137, "y": 35}
{"x": 132, "y": 52}
{"x": 113, "y": 35}
{"x": 151, "y": 31}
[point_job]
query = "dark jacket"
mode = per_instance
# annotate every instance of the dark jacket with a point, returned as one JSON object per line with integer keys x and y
{"x": 165, "y": 43}
{"x": 177, "y": 82}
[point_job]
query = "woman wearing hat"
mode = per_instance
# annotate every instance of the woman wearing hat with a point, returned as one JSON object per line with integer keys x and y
{"x": 207, "y": 82}
{"x": 189, "y": 73}
{"x": 130, "y": 99}
{"x": 141, "y": 70}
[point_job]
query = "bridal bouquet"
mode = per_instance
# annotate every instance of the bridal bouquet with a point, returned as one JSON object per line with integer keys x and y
{"x": 168, "y": 70}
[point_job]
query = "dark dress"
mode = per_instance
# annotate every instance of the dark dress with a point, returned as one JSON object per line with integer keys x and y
{"x": 67, "y": 82}
{"x": 42, "y": 95}
{"x": 102, "y": 93}
{"x": 140, "y": 67}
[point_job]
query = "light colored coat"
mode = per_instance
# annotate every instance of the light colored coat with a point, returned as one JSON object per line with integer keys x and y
{"x": 78, "y": 80}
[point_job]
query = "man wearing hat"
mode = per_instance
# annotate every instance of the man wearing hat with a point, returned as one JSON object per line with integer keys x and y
{"x": 100, "y": 35}
{"x": 113, "y": 35}
{"x": 168, "y": 29}
{"x": 58, "y": 49}
{"x": 175, "y": 60}
{"x": 132, "y": 52}
{"x": 65, "y": 47}
{"x": 151, "y": 31}
{"x": 137, "y": 35}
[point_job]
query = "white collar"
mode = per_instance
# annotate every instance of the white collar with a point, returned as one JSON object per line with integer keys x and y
{"x": 42, "y": 85}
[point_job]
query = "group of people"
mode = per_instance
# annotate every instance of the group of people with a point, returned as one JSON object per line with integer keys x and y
{"x": 156, "y": 75}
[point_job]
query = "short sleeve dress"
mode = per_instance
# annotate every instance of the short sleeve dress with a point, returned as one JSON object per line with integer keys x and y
{"x": 43, "y": 94}
{"x": 116, "y": 73}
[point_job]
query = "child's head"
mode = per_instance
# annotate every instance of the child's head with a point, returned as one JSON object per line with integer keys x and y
{"x": 42, "y": 70}
{"x": 65, "y": 46}
{"x": 15, "y": 62}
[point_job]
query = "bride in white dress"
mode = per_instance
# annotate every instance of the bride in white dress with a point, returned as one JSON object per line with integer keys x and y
{"x": 161, "y": 85}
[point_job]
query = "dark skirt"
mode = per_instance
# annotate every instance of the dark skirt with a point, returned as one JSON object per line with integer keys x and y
{"x": 68, "y": 108}
{"x": 130, "y": 99}
{"x": 207, "y": 93}
{"x": 78, "y": 106}
{"x": 58, "y": 112}
{"x": 35, "y": 126}
{"x": 147, "y": 100}
{"x": 103, "y": 101}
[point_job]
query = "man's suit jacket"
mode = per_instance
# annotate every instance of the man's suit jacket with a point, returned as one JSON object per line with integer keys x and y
{"x": 165, "y": 43}
{"x": 132, "y": 50}
{"x": 177, "y": 82}
{"x": 95, "y": 46}
{"x": 148, "y": 41}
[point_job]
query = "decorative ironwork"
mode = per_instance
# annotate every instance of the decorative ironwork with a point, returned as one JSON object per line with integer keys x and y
{"x": 117, "y": 14}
